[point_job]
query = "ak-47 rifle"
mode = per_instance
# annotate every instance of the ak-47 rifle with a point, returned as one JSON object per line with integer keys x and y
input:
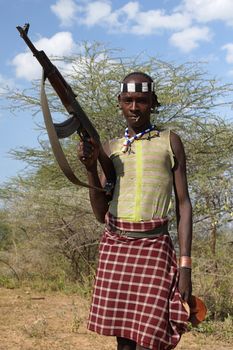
{"x": 78, "y": 122}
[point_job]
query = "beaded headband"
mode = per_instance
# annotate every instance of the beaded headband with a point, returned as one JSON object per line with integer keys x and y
{"x": 137, "y": 87}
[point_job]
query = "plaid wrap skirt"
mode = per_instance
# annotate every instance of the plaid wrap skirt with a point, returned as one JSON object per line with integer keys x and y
{"x": 136, "y": 291}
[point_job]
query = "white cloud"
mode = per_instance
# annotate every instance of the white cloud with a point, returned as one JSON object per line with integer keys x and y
{"x": 182, "y": 21}
{"x": 189, "y": 38}
{"x": 209, "y": 10}
{"x": 229, "y": 49}
{"x": 96, "y": 12}
{"x": 131, "y": 9}
{"x": 128, "y": 18}
{"x": 65, "y": 10}
{"x": 150, "y": 21}
{"x": 26, "y": 65}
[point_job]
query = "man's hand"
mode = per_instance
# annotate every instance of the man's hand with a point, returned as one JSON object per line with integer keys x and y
{"x": 88, "y": 152}
{"x": 185, "y": 284}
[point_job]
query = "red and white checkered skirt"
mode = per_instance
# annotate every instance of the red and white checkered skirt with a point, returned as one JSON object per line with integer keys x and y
{"x": 136, "y": 294}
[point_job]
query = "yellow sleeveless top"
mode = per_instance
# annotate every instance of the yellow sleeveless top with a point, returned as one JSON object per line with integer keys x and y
{"x": 144, "y": 178}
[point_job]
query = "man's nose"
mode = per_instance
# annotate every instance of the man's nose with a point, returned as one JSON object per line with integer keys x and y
{"x": 134, "y": 105}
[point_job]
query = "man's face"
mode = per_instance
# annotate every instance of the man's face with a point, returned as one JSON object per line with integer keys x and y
{"x": 136, "y": 106}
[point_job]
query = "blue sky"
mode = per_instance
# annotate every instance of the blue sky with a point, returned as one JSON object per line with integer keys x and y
{"x": 172, "y": 30}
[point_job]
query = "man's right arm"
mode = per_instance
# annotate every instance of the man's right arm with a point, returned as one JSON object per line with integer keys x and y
{"x": 88, "y": 152}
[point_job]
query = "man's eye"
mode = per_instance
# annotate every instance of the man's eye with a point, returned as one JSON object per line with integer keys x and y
{"x": 142, "y": 100}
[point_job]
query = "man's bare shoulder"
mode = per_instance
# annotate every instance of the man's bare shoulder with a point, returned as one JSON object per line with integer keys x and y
{"x": 175, "y": 140}
{"x": 177, "y": 146}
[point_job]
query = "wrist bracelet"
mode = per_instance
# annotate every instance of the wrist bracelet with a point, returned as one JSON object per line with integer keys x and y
{"x": 185, "y": 261}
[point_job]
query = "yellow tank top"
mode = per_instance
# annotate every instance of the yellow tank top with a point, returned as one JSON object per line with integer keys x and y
{"x": 144, "y": 178}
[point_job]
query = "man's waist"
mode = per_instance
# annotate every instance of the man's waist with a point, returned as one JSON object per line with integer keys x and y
{"x": 157, "y": 231}
{"x": 113, "y": 222}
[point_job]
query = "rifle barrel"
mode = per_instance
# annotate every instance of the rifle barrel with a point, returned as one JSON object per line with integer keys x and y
{"x": 23, "y": 34}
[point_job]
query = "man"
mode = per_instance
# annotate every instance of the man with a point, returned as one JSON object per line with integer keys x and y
{"x": 139, "y": 290}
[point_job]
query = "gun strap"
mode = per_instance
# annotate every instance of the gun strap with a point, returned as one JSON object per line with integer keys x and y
{"x": 54, "y": 141}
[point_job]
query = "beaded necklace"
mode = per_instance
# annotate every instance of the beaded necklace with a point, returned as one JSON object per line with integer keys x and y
{"x": 129, "y": 140}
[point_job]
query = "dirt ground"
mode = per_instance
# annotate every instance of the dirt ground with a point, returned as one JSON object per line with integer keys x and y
{"x": 49, "y": 321}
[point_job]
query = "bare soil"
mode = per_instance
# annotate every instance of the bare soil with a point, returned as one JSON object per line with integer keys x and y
{"x": 49, "y": 321}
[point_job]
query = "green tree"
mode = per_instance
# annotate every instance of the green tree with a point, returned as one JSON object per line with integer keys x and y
{"x": 46, "y": 211}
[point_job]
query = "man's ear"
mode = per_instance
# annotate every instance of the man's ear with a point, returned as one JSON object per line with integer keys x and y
{"x": 153, "y": 102}
{"x": 155, "y": 98}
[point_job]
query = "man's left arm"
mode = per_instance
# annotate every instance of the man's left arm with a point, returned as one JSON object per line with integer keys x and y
{"x": 183, "y": 213}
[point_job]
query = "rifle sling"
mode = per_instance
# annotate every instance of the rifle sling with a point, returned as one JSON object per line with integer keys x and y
{"x": 55, "y": 144}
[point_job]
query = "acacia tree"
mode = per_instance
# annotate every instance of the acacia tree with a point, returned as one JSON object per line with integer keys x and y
{"x": 42, "y": 200}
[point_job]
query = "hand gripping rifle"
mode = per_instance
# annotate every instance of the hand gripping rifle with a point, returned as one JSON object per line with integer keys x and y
{"x": 78, "y": 122}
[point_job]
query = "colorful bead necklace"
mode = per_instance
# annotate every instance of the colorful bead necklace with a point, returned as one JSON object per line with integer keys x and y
{"x": 129, "y": 140}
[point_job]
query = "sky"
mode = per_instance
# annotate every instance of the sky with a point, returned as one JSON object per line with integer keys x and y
{"x": 172, "y": 30}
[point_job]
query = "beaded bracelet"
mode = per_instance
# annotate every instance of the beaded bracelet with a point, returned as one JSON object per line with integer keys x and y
{"x": 185, "y": 261}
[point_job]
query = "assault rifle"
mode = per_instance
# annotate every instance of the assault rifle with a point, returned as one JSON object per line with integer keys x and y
{"x": 78, "y": 122}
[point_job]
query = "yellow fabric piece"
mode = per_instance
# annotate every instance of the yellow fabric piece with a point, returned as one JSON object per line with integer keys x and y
{"x": 144, "y": 178}
{"x": 138, "y": 197}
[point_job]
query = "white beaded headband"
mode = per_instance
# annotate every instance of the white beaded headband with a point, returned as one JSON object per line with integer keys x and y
{"x": 137, "y": 87}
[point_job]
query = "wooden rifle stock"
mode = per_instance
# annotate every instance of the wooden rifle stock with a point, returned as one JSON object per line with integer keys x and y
{"x": 78, "y": 122}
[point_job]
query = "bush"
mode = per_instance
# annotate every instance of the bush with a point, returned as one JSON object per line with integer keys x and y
{"x": 213, "y": 278}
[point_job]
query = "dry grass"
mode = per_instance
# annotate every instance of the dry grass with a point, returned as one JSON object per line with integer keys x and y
{"x": 33, "y": 321}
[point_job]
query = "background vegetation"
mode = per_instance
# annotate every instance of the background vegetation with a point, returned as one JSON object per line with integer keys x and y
{"x": 48, "y": 235}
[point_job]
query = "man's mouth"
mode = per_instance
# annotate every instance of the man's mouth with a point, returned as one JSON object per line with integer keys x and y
{"x": 135, "y": 117}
